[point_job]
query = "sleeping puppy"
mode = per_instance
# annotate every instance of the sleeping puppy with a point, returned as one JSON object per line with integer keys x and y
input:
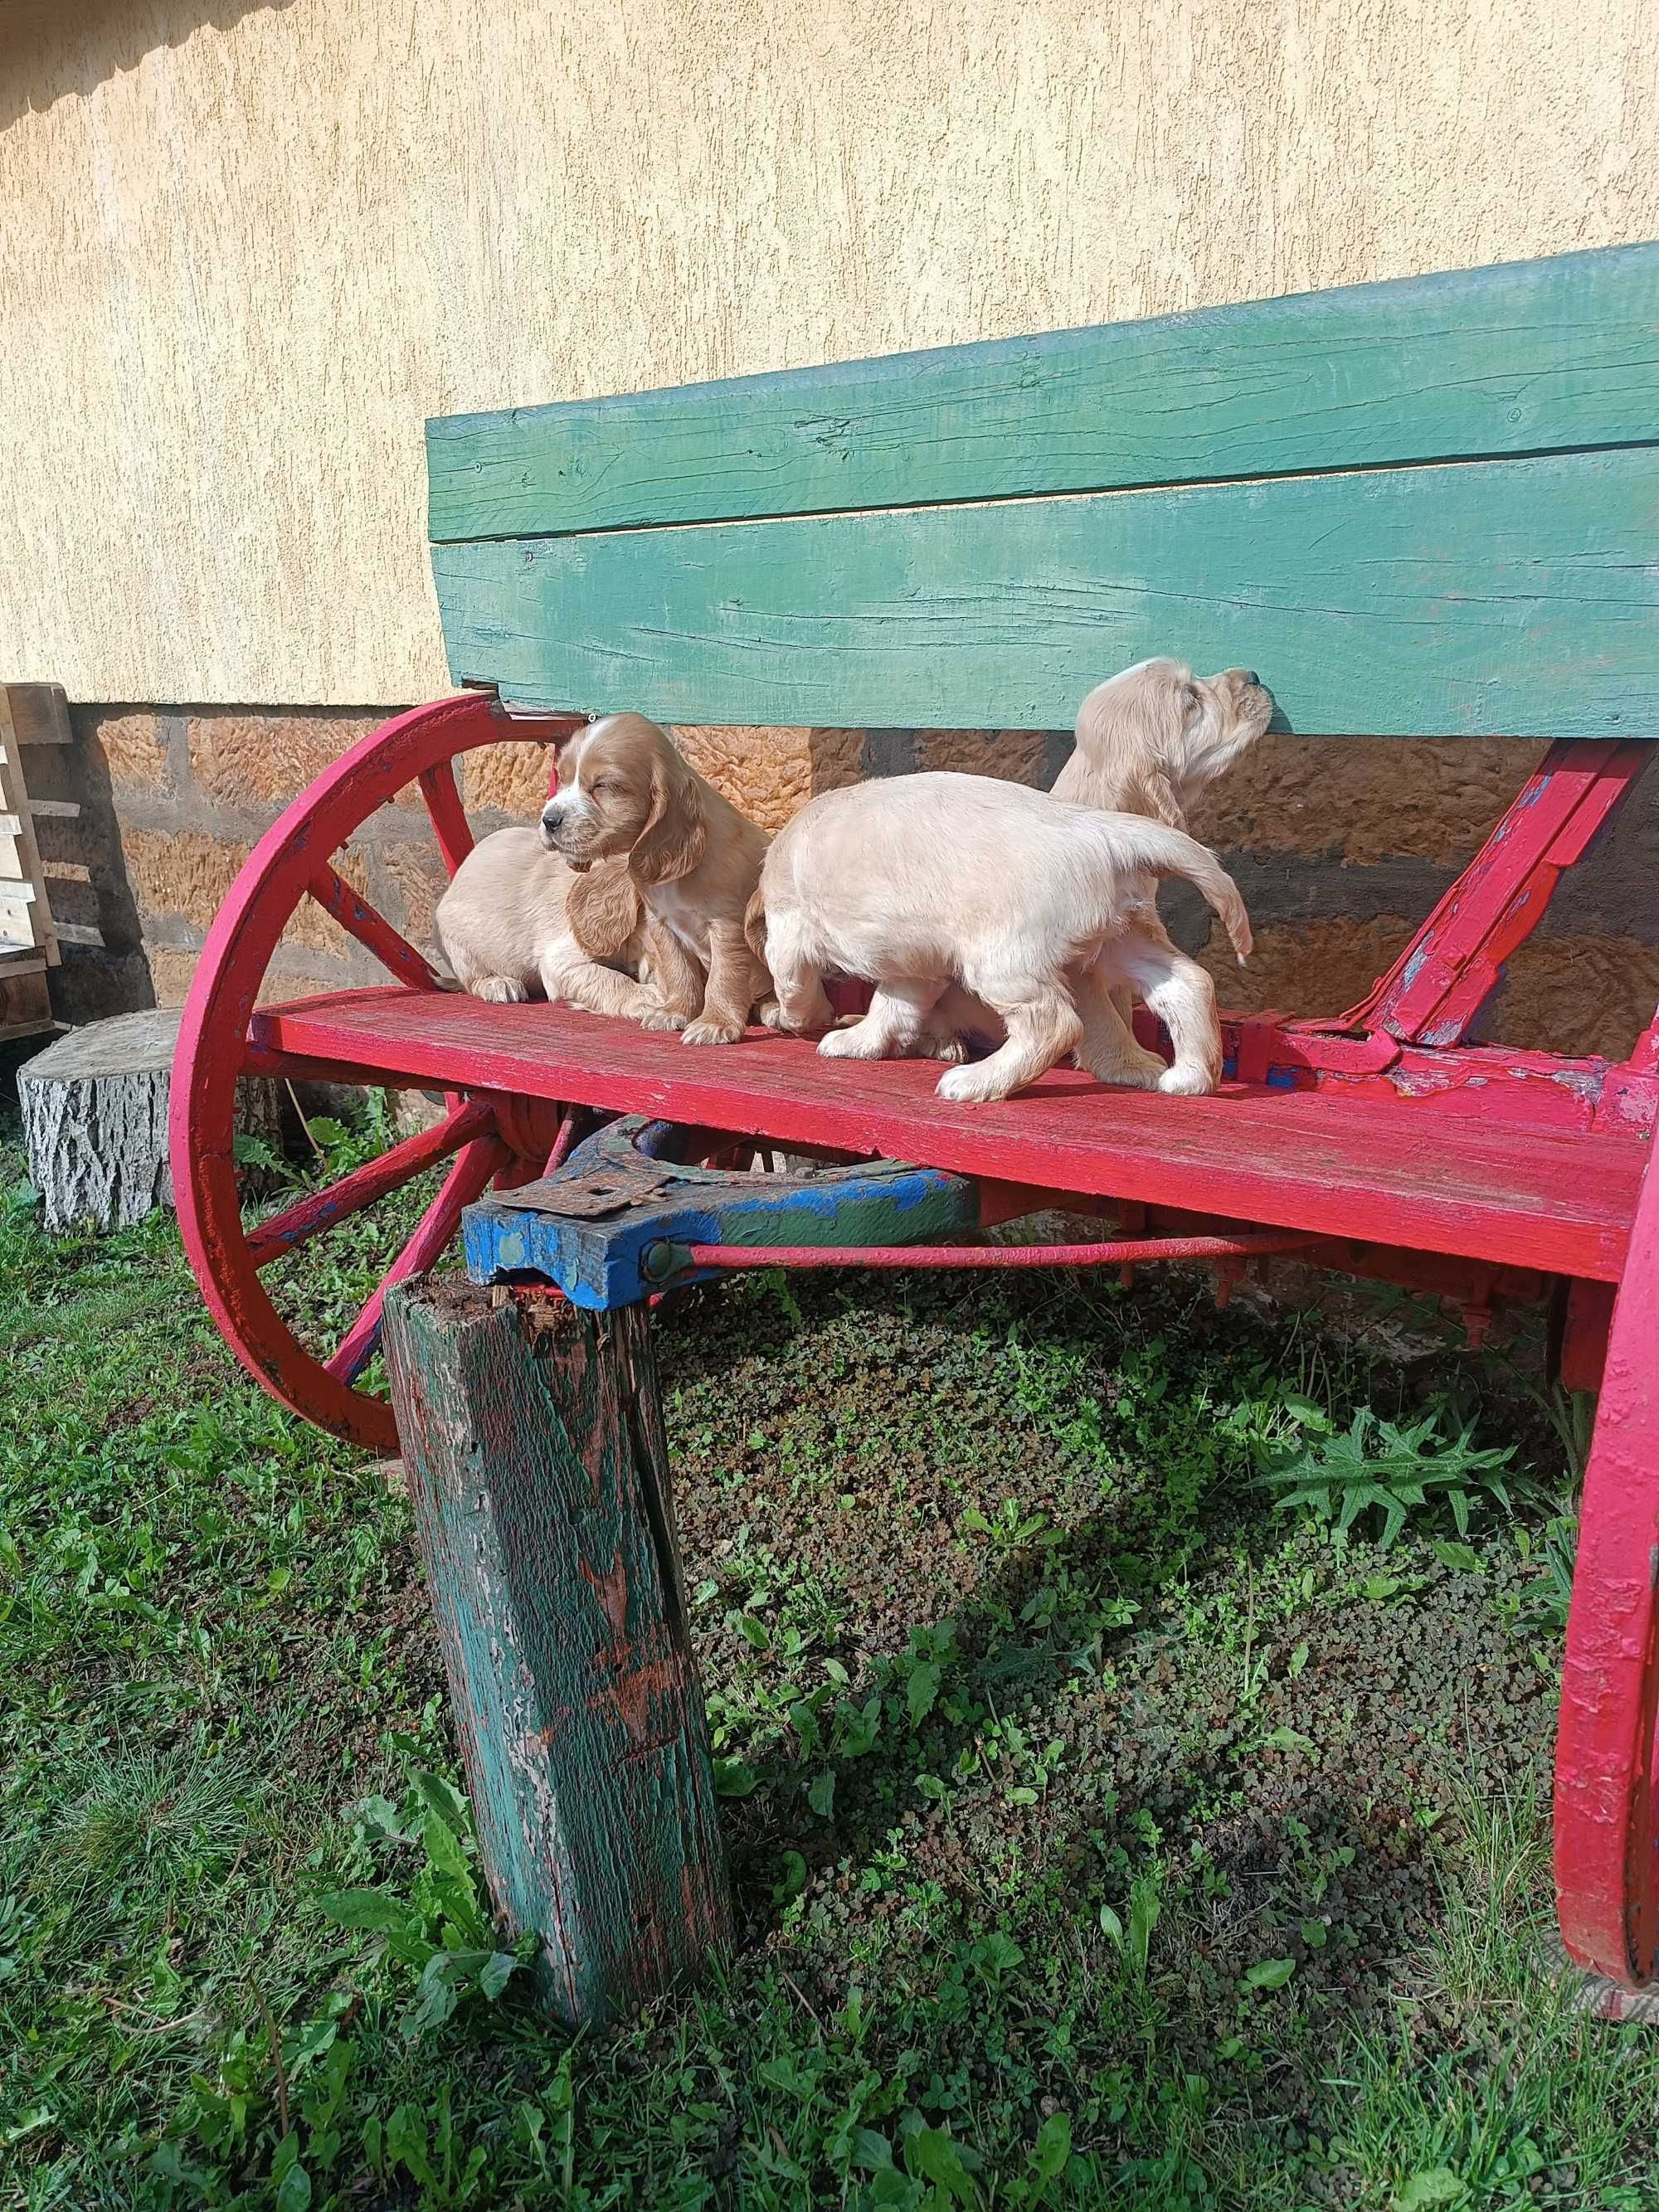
{"x": 515, "y": 917}
{"x": 1149, "y": 741}
{"x": 1034, "y": 907}
{"x": 693, "y": 858}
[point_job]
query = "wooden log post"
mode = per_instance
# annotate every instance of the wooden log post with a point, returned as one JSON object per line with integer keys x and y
{"x": 95, "y": 1109}
{"x": 535, "y": 1456}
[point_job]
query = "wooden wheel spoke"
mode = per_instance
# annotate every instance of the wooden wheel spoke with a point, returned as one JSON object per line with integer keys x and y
{"x": 371, "y": 929}
{"x": 483, "y": 1157}
{"x": 449, "y": 823}
{"x": 390, "y": 1172}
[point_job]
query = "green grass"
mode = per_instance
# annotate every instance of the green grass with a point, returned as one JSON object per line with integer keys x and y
{"x": 1102, "y": 1836}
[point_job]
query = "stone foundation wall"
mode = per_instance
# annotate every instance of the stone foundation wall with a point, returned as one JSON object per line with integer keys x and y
{"x": 1339, "y": 848}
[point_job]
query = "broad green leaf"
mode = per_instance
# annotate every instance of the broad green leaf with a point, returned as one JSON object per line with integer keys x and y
{"x": 1435, "y": 2185}
{"x": 365, "y": 1908}
{"x": 1053, "y": 2147}
{"x": 406, "y": 2142}
{"x": 1458, "y": 1556}
{"x": 496, "y": 1971}
{"x": 821, "y": 1795}
{"x": 931, "y": 2154}
{"x": 920, "y": 1691}
{"x": 1269, "y": 1973}
{"x": 437, "y": 1795}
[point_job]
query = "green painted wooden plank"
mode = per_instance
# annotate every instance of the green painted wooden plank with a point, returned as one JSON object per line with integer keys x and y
{"x": 1513, "y": 597}
{"x": 539, "y": 1475}
{"x": 1527, "y": 357}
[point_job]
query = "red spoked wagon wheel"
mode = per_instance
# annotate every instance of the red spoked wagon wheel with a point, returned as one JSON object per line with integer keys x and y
{"x": 484, "y": 1138}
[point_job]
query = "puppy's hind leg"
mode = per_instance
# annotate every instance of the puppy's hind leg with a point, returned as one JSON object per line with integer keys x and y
{"x": 1107, "y": 1049}
{"x": 1042, "y": 1027}
{"x": 478, "y": 979}
{"x": 797, "y": 980}
{"x": 893, "y": 1027}
{"x": 1182, "y": 997}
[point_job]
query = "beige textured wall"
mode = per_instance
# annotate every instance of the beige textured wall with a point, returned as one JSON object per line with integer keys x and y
{"x": 246, "y": 249}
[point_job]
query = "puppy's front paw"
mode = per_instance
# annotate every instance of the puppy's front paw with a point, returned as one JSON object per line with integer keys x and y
{"x": 706, "y": 1030}
{"x": 661, "y": 1017}
{"x": 1180, "y": 1082}
{"x": 501, "y": 990}
{"x": 770, "y": 1014}
{"x": 969, "y": 1085}
{"x": 853, "y": 1043}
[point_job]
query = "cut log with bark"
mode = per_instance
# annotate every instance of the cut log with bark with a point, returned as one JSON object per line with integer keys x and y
{"x": 94, "y": 1107}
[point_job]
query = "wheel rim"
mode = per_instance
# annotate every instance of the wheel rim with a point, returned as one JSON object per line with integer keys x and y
{"x": 482, "y": 1138}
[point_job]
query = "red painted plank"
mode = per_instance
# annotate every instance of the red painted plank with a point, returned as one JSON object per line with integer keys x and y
{"x": 1606, "y": 1796}
{"x": 1377, "y": 1170}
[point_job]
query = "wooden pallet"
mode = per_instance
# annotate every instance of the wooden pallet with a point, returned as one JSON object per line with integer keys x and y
{"x": 30, "y": 713}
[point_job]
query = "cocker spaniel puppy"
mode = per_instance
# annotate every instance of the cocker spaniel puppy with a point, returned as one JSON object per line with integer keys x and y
{"x": 1034, "y": 907}
{"x": 516, "y": 916}
{"x": 624, "y": 791}
{"x": 1149, "y": 740}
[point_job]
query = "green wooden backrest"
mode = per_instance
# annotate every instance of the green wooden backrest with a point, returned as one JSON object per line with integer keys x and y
{"x": 1428, "y": 508}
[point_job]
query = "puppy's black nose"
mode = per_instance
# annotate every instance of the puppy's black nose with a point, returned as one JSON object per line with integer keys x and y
{"x": 1251, "y": 676}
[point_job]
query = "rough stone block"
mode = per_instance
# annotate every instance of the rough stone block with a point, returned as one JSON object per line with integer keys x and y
{"x": 510, "y": 778}
{"x": 1360, "y": 799}
{"x": 265, "y": 759}
{"x": 182, "y": 871}
{"x": 133, "y": 745}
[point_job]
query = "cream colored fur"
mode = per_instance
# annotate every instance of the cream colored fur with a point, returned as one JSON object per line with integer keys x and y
{"x": 1149, "y": 741}
{"x": 1034, "y": 907}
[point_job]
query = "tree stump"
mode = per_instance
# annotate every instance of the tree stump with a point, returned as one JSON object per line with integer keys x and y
{"x": 95, "y": 1109}
{"x": 535, "y": 1456}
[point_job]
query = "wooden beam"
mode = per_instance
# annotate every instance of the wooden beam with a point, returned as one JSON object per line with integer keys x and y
{"x": 39, "y": 714}
{"x": 536, "y": 1460}
{"x": 1529, "y": 357}
{"x": 1512, "y": 597}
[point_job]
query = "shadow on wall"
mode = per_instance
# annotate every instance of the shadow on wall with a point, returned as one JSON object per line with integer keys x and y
{"x": 52, "y": 50}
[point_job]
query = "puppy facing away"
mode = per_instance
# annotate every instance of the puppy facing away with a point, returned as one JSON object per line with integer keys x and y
{"x": 1149, "y": 740}
{"x": 514, "y": 915}
{"x": 695, "y": 860}
{"x": 1033, "y": 906}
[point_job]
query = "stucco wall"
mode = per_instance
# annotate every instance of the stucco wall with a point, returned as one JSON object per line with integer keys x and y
{"x": 246, "y": 249}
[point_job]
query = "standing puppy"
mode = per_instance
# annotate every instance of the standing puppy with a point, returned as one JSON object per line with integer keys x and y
{"x": 923, "y": 881}
{"x": 623, "y": 790}
{"x": 1149, "y": 741}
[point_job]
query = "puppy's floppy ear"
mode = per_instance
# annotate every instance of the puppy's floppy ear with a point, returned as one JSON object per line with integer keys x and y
{"x": 604, "y": 911}
{"x": 676, "y": 833}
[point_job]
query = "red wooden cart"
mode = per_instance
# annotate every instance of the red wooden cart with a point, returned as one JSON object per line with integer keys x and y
{"x": 1428, "y": 509}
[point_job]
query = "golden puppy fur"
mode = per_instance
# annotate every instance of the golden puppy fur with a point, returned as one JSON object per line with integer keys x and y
{"x": 516, "y": 916}
{"x": 1036, "y": 907}
{"x": 695, "y": 860}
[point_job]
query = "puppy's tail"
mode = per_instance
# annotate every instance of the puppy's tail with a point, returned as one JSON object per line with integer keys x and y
{"x": 753, "y": 924}
{"x": 442, "y": 974}
{"x": 1161, "y": 852}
